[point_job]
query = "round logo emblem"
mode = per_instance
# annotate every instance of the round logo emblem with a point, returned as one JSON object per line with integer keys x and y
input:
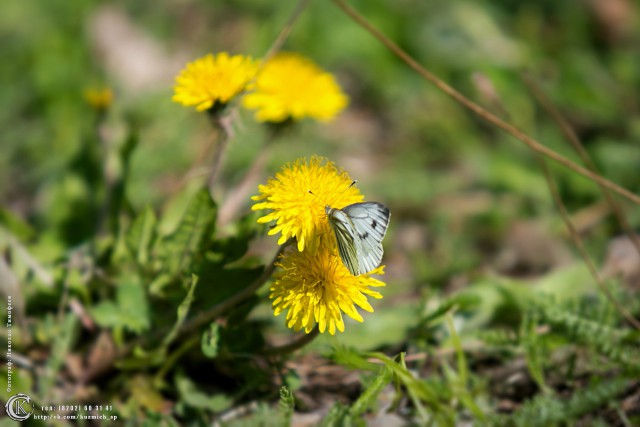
{"x": 19, "y": 407}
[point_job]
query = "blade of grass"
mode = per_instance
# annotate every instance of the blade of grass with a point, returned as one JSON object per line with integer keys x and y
{"x": 462, "y": 377}
{"x": 463, "y": 370}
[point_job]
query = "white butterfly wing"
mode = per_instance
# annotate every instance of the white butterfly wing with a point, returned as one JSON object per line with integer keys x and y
{"x": 369, "y": 220}
{"x": 349, "y": 246}
{"x": 372, "y": 216}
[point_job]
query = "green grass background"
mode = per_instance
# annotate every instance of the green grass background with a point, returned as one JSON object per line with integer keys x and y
{"x": 455, "y": 185}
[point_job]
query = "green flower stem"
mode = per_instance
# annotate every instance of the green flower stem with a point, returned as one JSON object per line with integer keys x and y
{"x": 218, "y": 310}
{"x": 223, "y": 125}
{"x": 173, "y": 358}
{"x": 223, "y": 122}
{"x": 294, "y": 345}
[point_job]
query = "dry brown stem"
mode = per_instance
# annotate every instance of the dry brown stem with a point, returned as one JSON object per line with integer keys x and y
{"x": 482, "y": 112}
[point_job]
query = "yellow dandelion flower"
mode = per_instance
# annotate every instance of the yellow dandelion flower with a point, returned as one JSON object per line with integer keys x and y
{"x": 299, "y": 213}
{"x": 292, "y": 87}
{"x": 99, "y": 99}
{"x": 316, "y": 288}
{"x": 213, "y": 79}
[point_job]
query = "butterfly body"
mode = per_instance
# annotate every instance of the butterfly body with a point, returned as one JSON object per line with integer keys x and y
{"x": 359, "y": 229}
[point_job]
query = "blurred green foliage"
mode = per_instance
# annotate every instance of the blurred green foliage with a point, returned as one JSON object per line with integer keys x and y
{"x": 104, "y": 211}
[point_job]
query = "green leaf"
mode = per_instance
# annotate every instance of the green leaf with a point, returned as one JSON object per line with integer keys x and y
{"x": 158, "y": 285}
{"x": 551, "y": 410}
{"x": 195, "y": 398}
{"x": 107, "y": 314}
{"x": 141, "y": 235}
{"x": 143, "y": 359}
{"x": 218, "y": 283}
{"x": 209, "y": 341}
{"x": 581, "y": 328}
{"x": 287, "y": 403}
{"x": 118, "y": 197}
{"x": 183, "y": 311}
{"x": 460, "y": 301}
{"x": 233, "y": 247}
{"x": 70, "y": 209}
{"x": 61, "y": 347}
{"x": 422, "y": 393}
{"x": 566, "y": 282}
{"x": 338, "y": 416}
{"x": 351, "y": 358}
{"x": 533, "y": 347}
{"x": 19, "y": 263}
{"x": 133, "y": 304}
{"x": 21, "y": 229}
{"x": 130, "y": 311}
{"x": 193, "y": 234}
{"x": 370, "y": 394}
{"x": 21, "y": 380}
{"x": 463, "y": 368}
{"x": 144, "y": 394}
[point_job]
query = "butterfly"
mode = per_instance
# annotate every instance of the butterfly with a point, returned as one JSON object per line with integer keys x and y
{"x": 359, "y": 230}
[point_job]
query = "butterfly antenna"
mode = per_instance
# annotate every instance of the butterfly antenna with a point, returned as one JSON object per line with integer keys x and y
{"x": 314, "y": 195}
{"x": 354, "y": 182}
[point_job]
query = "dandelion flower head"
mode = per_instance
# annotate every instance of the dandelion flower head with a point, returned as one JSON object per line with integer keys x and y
{"x": 316, "y": 288}
{"x": 213, "y": 79}
{"x": 99, "y": 99}
{"x": 292, "y": 87}
{"x": 299, "y": 213}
